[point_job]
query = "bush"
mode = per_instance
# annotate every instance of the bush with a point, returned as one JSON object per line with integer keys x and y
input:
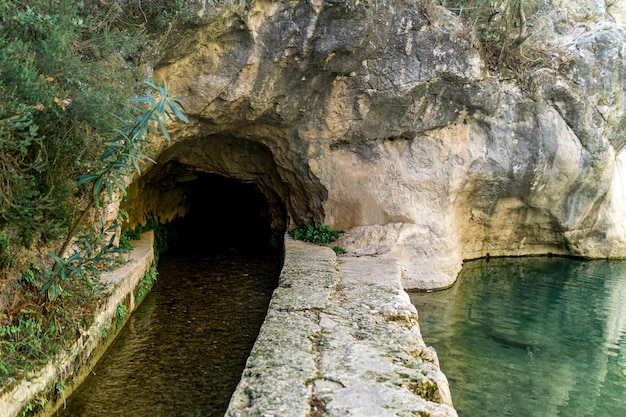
{"x": 310, "y": 232}
{"x": 67, "y": 135}
{"x": 119, "y": 162}
{"x": 32, "y": 334}
{"x": 501, "y": 27}
{"x": 145, "y": 283}
{"x": 66, "y": 87}
{"x": 62, "y": 77}
{"x": 155, "y": 15}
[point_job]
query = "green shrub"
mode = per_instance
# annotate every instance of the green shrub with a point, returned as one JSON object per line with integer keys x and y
{"x": 120, "y": 314}
{"x": 154, "y": 15}
{"x": 310, "y": 232}
{"x": 6, "y": 258}
{"x": 126, "y": 242}
{"x": 68, "y": 134}
{"x": 160, "y": 230}
{"x": 126, "y": 236}
{"x": 62, "y": 77}
{"x": 104, "y": 336}
{"x": 36, "y": 404}
{"x": 339, "y": 250}
{"x": 27, "y": 344}
{"x": 119, "y": 161}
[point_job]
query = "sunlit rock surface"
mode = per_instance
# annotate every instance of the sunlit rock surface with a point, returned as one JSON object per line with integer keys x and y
{"x": 340, "y": 339}
{"x": 381, "y": 118}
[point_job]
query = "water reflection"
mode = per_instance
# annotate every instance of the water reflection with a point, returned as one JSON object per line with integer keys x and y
{"x": 536, "y": 337}
{"x": 183, "y": 351}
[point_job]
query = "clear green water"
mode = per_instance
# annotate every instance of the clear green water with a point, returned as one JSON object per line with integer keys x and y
{"x": 532, "y": 337}
{"x": 182, "y": 352}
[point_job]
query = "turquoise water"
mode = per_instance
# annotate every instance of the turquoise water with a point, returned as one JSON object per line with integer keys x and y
{"x": 532, "y": 337}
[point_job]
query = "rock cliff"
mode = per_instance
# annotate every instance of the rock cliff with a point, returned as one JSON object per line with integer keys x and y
{"x": 384, "y": 119}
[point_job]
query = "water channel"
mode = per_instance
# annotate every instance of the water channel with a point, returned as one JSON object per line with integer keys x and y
{"x": 532, "y": 337}
{"x": 182, "y": 352}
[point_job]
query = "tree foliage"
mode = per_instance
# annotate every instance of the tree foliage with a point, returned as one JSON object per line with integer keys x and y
{"x": 62, "y": 76}
{"x": 68, "y": 136}
{"x": 120, "y": 161}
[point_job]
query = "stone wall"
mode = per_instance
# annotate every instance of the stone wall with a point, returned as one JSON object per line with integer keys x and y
{"x": 340, "y": 339}
{"x": 73, "y": 365}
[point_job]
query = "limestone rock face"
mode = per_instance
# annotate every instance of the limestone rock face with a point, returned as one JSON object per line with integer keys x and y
{"x": 381, "y": 118}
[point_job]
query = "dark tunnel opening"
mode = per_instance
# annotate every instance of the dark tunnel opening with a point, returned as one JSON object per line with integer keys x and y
{"x": 192, "y": 334}
{"x": 194, "y": 330}
{"x": 224, "y": 213}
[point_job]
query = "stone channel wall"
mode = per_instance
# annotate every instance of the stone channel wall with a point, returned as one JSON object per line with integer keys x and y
{"x": 73, "y": 365}
{"x": 340, "y": 338}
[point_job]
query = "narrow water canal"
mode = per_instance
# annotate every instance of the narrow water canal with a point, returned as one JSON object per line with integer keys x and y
{"x": 182, "y": 352}
{"x": 532, "y": 337}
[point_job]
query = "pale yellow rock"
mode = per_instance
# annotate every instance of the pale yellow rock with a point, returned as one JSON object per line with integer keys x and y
{"x": 381, "y": 119}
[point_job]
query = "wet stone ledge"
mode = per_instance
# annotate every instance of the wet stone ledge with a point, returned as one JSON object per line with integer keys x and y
{"x": 74, "y": 364}
{"x": 341, "y": 338}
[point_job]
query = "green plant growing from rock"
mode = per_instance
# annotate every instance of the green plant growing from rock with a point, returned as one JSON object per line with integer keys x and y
{"x": 339, "y": 250}
{"x": 155, "y": 15}
{"x": 28, "y": 337}
{"x": 152, "y": 222}
{"x": 501, "y": 26}
{"x": 59, "y": 390}
{"x": 104, "y": 336}
{"x": 318, "y": 234}
{"x": 120, "y": 314}
{"x": 126, "y": 239}
{"x": 145, "y": 283}
{"x": 38, "y": 403}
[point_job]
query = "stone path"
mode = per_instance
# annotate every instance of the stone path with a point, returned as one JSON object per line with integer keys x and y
{"x": 340, "y": 339}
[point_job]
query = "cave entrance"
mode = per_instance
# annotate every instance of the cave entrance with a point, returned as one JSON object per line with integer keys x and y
{"x": 224, "y": 212}
{"x": 218, "y": 191}
{"x": 192, "y": 334}
{"x": 224, "y": 209}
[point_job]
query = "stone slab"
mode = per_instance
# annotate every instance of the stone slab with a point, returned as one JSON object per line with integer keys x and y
{"x": 341, "y": 338}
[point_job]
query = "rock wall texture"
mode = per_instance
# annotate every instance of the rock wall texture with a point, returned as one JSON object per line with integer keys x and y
{"x": 340, "y": 339}
{"x": 382, "y": 118}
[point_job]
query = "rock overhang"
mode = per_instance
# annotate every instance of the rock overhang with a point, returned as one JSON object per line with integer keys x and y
{"x": 382, "y": 119}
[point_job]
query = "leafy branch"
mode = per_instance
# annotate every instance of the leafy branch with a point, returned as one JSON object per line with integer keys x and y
{"x": 120, "y": 160}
